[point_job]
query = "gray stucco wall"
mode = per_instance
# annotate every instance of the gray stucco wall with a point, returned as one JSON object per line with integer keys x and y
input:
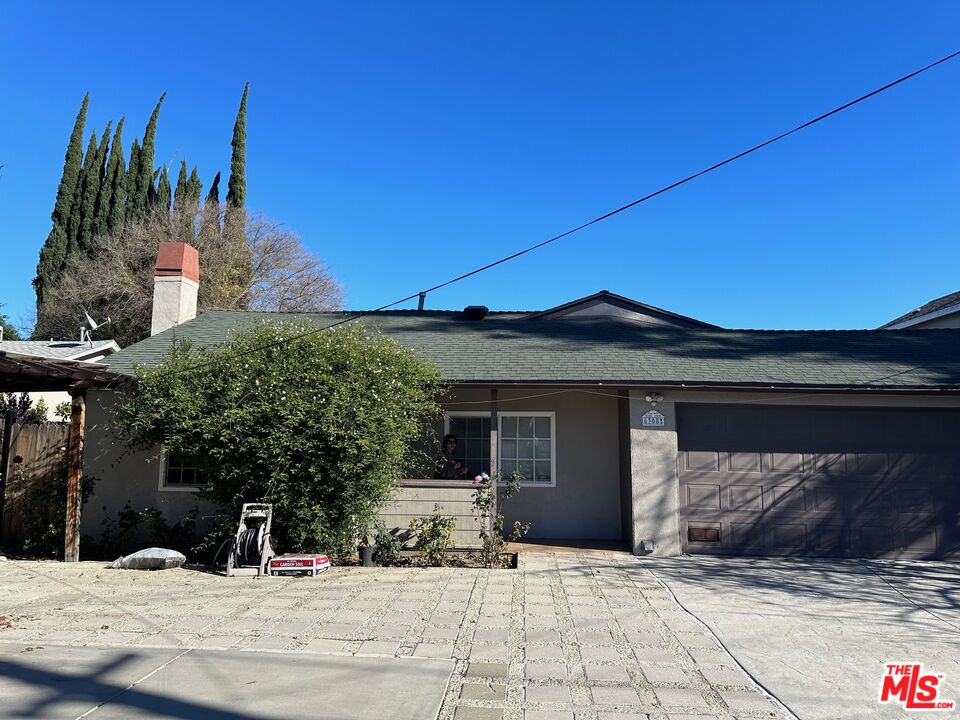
{"x": 585, "y": 502}
{"x": 122, "y": 476}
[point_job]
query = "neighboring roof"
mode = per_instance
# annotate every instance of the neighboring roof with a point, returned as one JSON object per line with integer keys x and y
{"x": 935, "y": 308}
{"x": 21, "y": 373}
{"x": 609, "y": 298}
{"x": 60, "y": 349}
{"x": 505, "y": 348}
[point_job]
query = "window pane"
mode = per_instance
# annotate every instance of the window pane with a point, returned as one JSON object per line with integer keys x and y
{"x": 189, "y": 477}
{"x": 542, "y": 427}
{"x": 458, "y": 426}
{"x": 526, "y": 467}
{"x": 485, "y": 426}
{"x": 507, "y": 468}
{"x": 509, "y": 448}
{"x": 542, "y": 449}
{"x": 473, "y": 448}
{"x": 473, "y": 427}
{"x": 525, "y": 427}
{"x": 510, "y": 427}
{"x": 525, "y": 449}
{"x": 543, "y": 471}
{"x": 173, "y": 475}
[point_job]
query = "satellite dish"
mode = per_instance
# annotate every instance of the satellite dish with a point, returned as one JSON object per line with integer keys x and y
{"x": 89, "y": 326}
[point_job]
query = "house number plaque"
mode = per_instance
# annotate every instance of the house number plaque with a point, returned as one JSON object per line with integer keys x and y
{"x": 653, "y": 418}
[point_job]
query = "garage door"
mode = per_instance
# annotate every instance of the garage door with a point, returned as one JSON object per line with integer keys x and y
{"x": 819, "y": 481}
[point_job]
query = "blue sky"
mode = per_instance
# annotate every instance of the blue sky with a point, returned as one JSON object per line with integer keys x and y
{"x": 408, "y": 142}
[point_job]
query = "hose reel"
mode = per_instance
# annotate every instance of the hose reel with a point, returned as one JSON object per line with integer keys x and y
{"x": 251, "y": 550}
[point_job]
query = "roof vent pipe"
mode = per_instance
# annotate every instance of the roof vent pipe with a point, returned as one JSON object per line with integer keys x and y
{"x": 475, "y": 312}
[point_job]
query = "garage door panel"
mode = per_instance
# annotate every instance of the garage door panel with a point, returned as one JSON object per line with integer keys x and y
{"x": 828, "y": 463}
{"x": 745, "y": 538}
{"x": 702, "y": 461}
{"x": 788, "y": 499}
{"x": 782, "y": 462}
{"x": 745, "y": 462}
{"x": 829, "y": 539}
{"x": 873, "y": 540}
{"x": 826, "y": 499}
{"x": 745, "y": 498}
{"x": 868, "y": 463}
{"x": 918, "y": 539}
{"x": 825, "y": 481}
{"x": 702, "y": 496}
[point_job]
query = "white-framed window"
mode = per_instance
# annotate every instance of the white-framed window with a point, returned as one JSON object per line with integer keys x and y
{"x": 178, "y": 474}
{"x": 472, "y": 429}
{"x": 528, "y": 443}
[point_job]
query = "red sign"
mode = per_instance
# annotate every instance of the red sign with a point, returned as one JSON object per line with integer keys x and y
{"x": 908, "y": 685}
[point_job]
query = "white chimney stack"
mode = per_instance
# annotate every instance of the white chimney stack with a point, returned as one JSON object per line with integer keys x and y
{"x": 176, "y": 280}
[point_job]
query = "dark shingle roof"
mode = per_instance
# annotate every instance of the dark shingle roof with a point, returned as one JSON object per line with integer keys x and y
{"x": 940, "y": 303}
{"x": 503, "y": 349}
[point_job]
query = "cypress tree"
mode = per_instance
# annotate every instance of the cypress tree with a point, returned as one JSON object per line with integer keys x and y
{"x": 76, "y": 209}
{"x": 213, "y": 197}
{"x": 144, "y": 181}
{"x": 54, "y": 250}
{"x": 92, "y": 184}
{"x": 237, "y": 184}
{"x": 133, "y": 171}
{"x": 180, "y": 194}
{"x": 118, "y": 194}
{"x": 163, "y": 192}
{"x": 105, "y": 206}
{"x": 234, "y": 218}
{"x": 102, "y": 204}
{"x": 192, "y": 198}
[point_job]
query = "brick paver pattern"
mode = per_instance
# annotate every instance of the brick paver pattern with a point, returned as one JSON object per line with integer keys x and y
{"x": 567, "y": 636}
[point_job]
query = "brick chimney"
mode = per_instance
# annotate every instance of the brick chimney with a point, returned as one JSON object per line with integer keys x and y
{"x": 176, "y": 280}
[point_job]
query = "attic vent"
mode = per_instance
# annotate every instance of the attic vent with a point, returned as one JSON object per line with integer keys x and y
{"x": 475, "y": 312}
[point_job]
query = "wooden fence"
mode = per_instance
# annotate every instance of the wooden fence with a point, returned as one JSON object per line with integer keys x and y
{"x": 39, "y": 453}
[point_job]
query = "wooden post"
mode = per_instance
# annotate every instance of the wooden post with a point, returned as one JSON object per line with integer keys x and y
{"x": 8, "y": 418}
{"x": 494, "y": 451}
{"x": 78, "y": 411}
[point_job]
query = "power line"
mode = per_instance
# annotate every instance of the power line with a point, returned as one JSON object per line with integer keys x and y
{"x": 605, "y": 216}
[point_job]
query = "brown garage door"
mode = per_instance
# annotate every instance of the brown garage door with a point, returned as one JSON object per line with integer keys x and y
{"x": 819, "y": 481}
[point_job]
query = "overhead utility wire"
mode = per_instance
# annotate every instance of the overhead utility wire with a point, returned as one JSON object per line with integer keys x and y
{"x": 605, "y": 216}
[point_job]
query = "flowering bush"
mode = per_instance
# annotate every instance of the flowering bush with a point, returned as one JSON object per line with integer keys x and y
{"x": 319, "y": 423}
{"x": 492, "y": 542}
{"x": 434, "y": 535}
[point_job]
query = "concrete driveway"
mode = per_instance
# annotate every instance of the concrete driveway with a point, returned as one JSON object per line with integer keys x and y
{"x": 816, "y": 633}
{"x": 567, "y": 636}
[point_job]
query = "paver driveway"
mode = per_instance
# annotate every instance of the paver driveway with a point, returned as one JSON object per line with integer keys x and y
{"x": 817, "y": 633}
{"x": 594, "y": 637}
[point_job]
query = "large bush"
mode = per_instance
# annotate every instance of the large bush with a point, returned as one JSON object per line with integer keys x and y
{"x": 319, "y": 424}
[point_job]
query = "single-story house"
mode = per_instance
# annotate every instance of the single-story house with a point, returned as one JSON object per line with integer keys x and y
{"x": 637, "y": 424}
{"x": 944, "y": 312}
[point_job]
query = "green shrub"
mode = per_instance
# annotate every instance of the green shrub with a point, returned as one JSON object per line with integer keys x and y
{"x": 318, "y": 422}
{"x": 388, "y": 546}
{"x": 434, "y": 535}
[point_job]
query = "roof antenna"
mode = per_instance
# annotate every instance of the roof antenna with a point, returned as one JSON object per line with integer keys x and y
{"x": 89, "y": 326}
{"x": 422, "y": 299}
